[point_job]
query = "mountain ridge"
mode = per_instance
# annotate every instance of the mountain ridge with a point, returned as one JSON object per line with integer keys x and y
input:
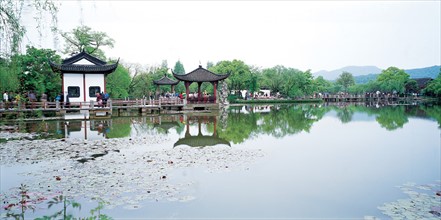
{"x": 363, "y": 74}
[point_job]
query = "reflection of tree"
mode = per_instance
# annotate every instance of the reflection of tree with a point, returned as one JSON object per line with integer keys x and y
{"x": 345, "y": 114}
{"x": 120, "y": 128}
{"x": 433, "y": 112}
{"x": 288, "y": 119}
{"x": 280, "y": 121}
{"x": 392, "y": 117}
{"x": 239, "y": 127}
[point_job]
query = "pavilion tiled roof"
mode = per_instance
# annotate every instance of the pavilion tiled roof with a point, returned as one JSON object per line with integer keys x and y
{"x": 83, "y": 55}
{"x": 165, "y": 81}
{"x": 68, "y": 65}
{"x": 201, "y": 75}
{"x": 422, "y": 82}
{"x": 201, "y": 141}
{"x": 77, "y": 68}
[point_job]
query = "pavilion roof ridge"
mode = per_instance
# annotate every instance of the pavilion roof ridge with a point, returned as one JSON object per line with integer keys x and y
{"x": 82, "y": 68}
{"x": 165, "y": 80}
{"x": 200, "y": 75}
{"x": 83, "y": 55}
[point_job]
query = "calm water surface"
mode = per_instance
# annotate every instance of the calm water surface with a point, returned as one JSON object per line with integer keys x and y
{"x": 313, "y": 161}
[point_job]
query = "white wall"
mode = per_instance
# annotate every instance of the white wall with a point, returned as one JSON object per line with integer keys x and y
{"x": 83, "y": 62}
{"x": 76, "y": 79}
{"x": 71, "y": 79}
{"x": 94, "y": 80}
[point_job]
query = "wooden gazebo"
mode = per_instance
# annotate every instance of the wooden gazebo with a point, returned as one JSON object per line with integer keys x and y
{"x": 199, "y": 76}
{"x": 165, "y": 81}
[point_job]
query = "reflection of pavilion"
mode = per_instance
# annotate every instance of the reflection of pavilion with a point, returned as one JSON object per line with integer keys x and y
{"x": 201, "y": 140}
{"x": 166, "y": 122}
{"x": 87, "y": 129}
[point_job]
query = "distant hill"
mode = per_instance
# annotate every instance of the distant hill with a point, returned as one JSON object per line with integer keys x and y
{"x": 426, "y": 72}
{"x": 364, "y": 74}
{"x": 355, "y": 70}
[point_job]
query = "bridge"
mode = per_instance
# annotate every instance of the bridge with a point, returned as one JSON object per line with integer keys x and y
{"x": 80, "y": 110}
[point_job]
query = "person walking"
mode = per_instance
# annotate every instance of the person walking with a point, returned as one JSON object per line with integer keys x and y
{"x": 5, "y": 99}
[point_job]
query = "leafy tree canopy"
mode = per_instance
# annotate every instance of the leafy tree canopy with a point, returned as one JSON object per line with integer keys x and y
{"x": 392, "y": 80}
{"x": 83, "y": 38}
{"x": 35, "y": 73}
{"x": 179, "y": 68}
{"x": 346, "y": 79}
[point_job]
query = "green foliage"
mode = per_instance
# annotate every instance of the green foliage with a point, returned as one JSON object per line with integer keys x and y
{"x": 280, "y": 121}
{"x": 142, "y": 82}
{"x": 392, "y": 117}
{"x": 346, "y": 80}
{"x": 392, "y": 80}
{"x": 83, "y": 38}
{"x": 322, "y": 85}
{"x": 9, "y": 72}
{"x": 434, "y": 87}
{"x": 179, "y": 68}
{"x": 240, "y": 73}
{"x": 272, "y": 78}
{"x": 118, "y": 82}
{"x": 120, "y": 129}
{"x": 35, "y": 73}
{"x": 411, "y": 86}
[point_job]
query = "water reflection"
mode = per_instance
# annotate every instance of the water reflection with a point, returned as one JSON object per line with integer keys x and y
{"x": 201, "y": 140}
{"x": 88, "y": 160}
{"x": 241, "y": 122}
{"x": 249, "y": 121}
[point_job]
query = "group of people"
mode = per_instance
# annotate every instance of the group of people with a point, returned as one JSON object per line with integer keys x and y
{"x": 101, "y": 99}
{"x": 9, "y": 98}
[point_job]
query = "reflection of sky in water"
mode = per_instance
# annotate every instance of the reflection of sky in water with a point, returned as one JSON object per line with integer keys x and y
{"x": 336, "y": 170}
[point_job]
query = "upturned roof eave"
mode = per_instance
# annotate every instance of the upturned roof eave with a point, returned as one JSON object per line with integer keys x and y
{"x": 186, "y": 77}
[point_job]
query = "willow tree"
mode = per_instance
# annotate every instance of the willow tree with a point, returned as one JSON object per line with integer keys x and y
{"x": 12, "y": 29}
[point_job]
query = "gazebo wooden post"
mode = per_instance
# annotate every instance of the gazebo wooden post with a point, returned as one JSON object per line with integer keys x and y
{"x": 201, "y": 75}
{"x": 187, "y": 89}
{"x": 215, "y": 91}
{"x": 173, "y": 89}
{"x": 199, "y": 91}
{"x": 157, "y": 91}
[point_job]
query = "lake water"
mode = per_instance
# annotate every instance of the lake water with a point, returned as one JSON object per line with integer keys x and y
{"x": 256, "y": 161}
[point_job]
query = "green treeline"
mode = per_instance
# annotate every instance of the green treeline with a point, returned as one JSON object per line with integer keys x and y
{"x": 22, "y": 73}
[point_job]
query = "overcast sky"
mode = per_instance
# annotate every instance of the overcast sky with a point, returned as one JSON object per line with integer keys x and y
{"x": 316, "y": 35}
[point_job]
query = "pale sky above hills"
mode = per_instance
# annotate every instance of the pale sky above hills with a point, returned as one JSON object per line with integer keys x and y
{"x": 300, "y": 34}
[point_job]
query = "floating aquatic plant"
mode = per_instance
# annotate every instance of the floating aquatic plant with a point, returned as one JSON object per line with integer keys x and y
{"x": 423, "y": 202}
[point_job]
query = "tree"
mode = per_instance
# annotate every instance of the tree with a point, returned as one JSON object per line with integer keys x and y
{"x": 118, "y": 82}
{"x": 411, "y": 86}
{"x": 239, "y": 73}
{"x": 9, "y": 75}
{"x": 392, "y": 80}
{"x": 321, "y": 85}
{"x": 11, "y": 28}
{"x": 346, "y": 79}
{"x": 83, "y": 38}
{"x": 273, "y": 79}
{"x": 434, "y": 87}
{"x": 179, "y": 68}
{"x": 35, "y": 73}
{"x": 209, "y": 64}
